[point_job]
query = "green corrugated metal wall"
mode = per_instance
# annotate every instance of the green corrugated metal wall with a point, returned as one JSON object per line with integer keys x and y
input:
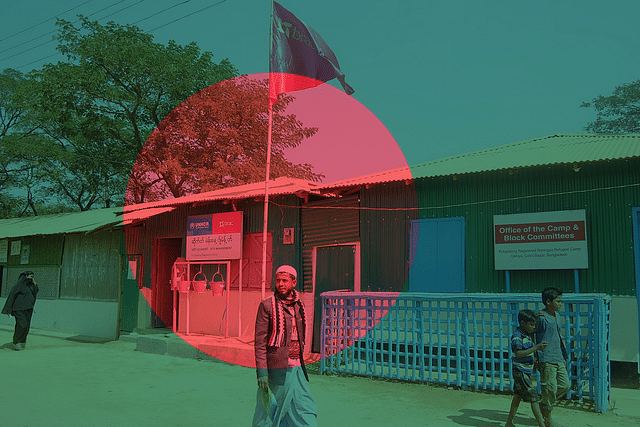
{"x": 92, "y": 266}
{"x": 606, "y": 190}
{"x": 327, "y": 222}
{"x": 44, "y": 250}
{"x": 385, "y": 236}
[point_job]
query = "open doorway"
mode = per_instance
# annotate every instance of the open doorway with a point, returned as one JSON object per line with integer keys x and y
{"x": 166, "y": 251}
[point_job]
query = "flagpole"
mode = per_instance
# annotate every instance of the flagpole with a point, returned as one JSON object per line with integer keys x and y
{"x": 268, "y": 166}
{"x": 266, "y": 206}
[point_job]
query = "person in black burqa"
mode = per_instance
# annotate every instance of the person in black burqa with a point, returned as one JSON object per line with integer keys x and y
{"x": 19, "y": 304}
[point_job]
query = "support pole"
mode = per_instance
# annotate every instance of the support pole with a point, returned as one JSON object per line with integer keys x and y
{"x": 239, "y": 299}
{"x": 227, "y": 291}
{"x": 268, "y": 165}
{"x": 266, "y": 205}
{"x": 188, "y": 297}
{"x": 508, "y": 278}
{"x": 175, "y": 313}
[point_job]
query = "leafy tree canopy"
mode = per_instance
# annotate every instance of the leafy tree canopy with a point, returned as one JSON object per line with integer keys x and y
{"x": 11, "y": 110}
{"x": 78, "y": 126}
{"x": 71, "y": 132}
{"x": 218, "y": 138}
{"x": 617, "y": 113}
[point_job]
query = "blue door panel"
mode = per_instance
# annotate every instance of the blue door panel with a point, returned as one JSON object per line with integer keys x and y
{"x": 437, "y": 248}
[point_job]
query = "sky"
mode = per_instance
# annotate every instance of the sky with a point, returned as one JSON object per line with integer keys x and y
{"x": 439, "y": 78}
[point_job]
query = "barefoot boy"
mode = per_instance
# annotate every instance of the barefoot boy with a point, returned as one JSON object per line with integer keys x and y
{"x": 523, "y": 357}
{"x": 554, "y": 381}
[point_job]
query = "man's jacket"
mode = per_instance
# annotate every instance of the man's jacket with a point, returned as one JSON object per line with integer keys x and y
{"x": 273, "y": 361}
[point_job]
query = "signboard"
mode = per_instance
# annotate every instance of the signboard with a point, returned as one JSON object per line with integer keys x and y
{"x": 214, "y": 237}
{"x": 15, "y": 248}
{"x": 25, "y": 254}
{"x": 540, "y": 241}
{"x": 4, "y": 250}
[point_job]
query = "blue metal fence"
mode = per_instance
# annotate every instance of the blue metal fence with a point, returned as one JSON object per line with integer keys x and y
{"x": 459, "y": 339}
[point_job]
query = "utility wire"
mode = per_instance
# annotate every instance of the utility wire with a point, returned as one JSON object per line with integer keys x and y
{"x": 458, "y": 205}
{"x": 50, "y": 32}
{"x": 118, "y": 11}
{"x": 163, "y": 10}
{"x": 192, "y": 13}
{"x": 46, "y": 20}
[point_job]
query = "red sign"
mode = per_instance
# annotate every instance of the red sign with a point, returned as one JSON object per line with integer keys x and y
{"x": 226, "y": 223}
{"x": 564, "y": 231}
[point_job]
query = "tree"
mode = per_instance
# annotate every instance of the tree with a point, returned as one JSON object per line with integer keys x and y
{"x": 24, "y": 177}
{"x": 96, "y": 110}
{"x": 11, "y": 111}
{"x": 218, "y": 138}
{"x": 618, "y": 113}
{"x": 15, "y": 173}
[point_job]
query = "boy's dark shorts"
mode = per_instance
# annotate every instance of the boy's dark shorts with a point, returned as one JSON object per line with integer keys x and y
{"x": 523, "y": 387}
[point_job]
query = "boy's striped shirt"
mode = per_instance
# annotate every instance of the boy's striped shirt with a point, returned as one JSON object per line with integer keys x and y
{"x": 520, "y": 340}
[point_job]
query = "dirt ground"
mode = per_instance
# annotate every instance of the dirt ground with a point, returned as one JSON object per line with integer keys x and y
{"x": 60, "y": 382}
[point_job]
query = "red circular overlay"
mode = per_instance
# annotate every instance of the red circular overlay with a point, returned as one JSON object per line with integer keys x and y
{"x": 187, "y": 156}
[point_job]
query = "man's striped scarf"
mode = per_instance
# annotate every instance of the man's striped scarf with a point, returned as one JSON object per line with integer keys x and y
{"x": 278, "y": 329}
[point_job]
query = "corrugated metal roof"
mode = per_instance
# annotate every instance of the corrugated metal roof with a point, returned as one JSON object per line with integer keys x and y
{"x": 555, "y": 149}
{"x": 549, "y": 150}
{"x": 277, "y": 187}
{"x": 88, "y": 221}
{"x": 139, "y": 215}
{"x": 399, "y": 174}
{"x": 74, "y": 222}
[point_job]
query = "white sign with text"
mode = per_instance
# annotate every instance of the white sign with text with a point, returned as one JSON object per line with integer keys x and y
{"x": 540, "y": 241}
{"x": 214, "y": 237}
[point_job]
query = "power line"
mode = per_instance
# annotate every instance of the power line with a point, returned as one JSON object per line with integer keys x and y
{"x": 46, "y": 20}
{"x": 104, "y": 17}
{"x": 192, "y": 13}
{"x": 117, "y": 11}
{"x": 164, "y": 10}
{"x": 50, "y": 32}
{"x": 459, "y": 205}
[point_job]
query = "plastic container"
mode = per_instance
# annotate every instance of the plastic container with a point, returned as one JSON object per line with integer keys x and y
{"x": 200, "y": 285}
{"x": 183, "y": 285}
{"x": 217, "y": 286}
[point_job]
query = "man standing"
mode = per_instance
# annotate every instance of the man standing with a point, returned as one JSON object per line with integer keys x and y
{"x": 279, "y": 342}
{"x": 19, "y": 304}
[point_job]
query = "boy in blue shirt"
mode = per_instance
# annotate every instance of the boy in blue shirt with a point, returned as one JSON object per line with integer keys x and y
{"x": 523, "y": 359}
{"x": 554, "y": 380}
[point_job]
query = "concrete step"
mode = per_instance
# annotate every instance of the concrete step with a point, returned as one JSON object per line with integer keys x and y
{"x": 199, "y": 347}
{"x": 231, "y": 350}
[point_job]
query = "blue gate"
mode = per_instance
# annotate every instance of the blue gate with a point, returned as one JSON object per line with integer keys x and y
{"x": 458, "y": 339}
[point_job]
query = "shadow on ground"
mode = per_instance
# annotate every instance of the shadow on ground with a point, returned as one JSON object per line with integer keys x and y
{"x": 87, "y": 339}
{"x": 625, "y": 375}
{"x": 488, "y": 418}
